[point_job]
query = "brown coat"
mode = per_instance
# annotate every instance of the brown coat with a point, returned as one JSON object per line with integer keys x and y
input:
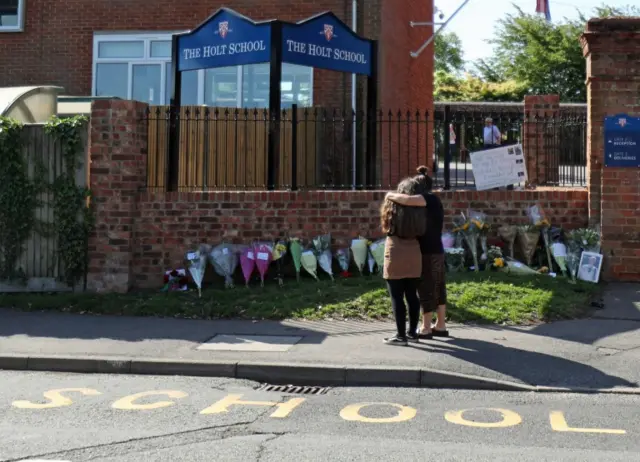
{"x": 402, "y": 258}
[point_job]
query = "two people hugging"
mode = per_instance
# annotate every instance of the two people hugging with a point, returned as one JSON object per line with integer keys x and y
{"x": 414, "y": 268}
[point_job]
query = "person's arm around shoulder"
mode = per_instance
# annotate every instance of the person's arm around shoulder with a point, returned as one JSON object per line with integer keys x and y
{"x": 403, "y": 199}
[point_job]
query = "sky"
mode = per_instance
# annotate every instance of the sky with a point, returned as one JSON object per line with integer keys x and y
{"x": 476, "y": 21}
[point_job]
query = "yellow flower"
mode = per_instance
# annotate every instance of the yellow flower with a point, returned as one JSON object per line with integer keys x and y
{"x": 543, "y": 270}
{"x": 498, "y": 263}
{"x": 465, "y": 227}
{"x": 477, "y": 223}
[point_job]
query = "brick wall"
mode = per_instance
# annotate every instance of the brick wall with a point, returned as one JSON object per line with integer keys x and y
{"x": 536, "y": 146}
{"x": 57, "y": 45}
{"x": 612, "y": 49}
{"x": 169, "y": 224}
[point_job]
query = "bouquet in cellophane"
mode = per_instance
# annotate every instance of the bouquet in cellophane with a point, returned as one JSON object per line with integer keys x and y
{"x": 495, "y": 258}
{"x": 528, "y": 237}
{"x": 264, "y": 254}
{"x": 310, "y": 263}
{"x": 479, "y": 222}
{"x": 459, "y": 222}
{"x": 559, "y": 250}
{"x": 471, "y": 233}
{"x": 343, "y": 257}
{"x": 508, "y": 234}
{"x": 197, "y": 263}
{"x": 247, "y": 263}
{"x": 540, "y": 222}
{"x": 376, "y": 249}
{"x": 360, "y": 251}
{"x": 224, "y": 259}
{"x": 295, "y": 247}
{"x": 454, "y": 259}
{"x": 322, "y": 247}
{"x": 512, "y": 266}
{"x": 175, "y": 280}
{"x": 279, "y": 252}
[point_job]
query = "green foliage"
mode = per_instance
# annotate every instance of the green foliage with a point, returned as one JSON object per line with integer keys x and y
{"x": 449, "y": 56}
{"x": 18, "y": 197}
{"x": 73, "y": 218}
{"x": 448, "y": 87}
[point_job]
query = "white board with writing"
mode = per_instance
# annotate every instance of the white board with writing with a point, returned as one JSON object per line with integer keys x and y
{"x": 497, "y": 167}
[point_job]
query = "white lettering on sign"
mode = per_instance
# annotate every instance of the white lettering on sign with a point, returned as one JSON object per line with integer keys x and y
{"x": 336, "y": 54}
{"x": 211, "y": 51}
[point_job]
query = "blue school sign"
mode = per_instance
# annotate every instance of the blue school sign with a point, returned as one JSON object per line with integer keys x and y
{"x": 622, "y": 141}
{"x": 225, "y": 39}
{"x": 229, "y": 39}
{"x": 326, "y": 43}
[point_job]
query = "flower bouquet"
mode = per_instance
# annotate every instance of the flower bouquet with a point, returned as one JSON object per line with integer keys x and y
{"x": 310, "y": 263}
{"x": 322, "y": 247}
{"x": 377, "y": 251}
{"x": 540, "y": 221}
{"x": 295, "y": 247}
{"x": 528, "y": 236}
{"x": 278, "y": 254}
{"x": 459, "y": 222}
{"x": 574, "y": 253}
{"x": 175, "y": 280}
{"x": 586, "y": 238}
{"x": 495, "y": 259}
{"x": 508, "y": 234}
{"x": 454, "y": 259}
{"x": 264, "y": 254}
{"x": 479, "y": 222}
{"x": 224, "y": 259}
{"x": 471, "y": 233}
{"x": 512, "y": 266}
{"x": 448, "y": 240}
{"x": 342, "y": 255}
{"x": 197, "y": 262}
{"x": 359, "y": 249}
{"x": 247, "y": 263}
{"x": 559, "y": 251}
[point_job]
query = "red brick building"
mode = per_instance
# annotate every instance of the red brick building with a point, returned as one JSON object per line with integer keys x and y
{"x": 117, "y": 48}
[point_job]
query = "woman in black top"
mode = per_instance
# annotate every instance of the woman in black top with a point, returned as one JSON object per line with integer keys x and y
{"x": 432, "y": 290}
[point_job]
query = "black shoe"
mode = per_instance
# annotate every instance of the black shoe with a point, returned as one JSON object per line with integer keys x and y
{"x": 397, "y": 341}
{"x": 413, "y": 338}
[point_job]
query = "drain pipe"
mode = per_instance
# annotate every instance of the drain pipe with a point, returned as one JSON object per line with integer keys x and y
{"x": 354, "y": 26}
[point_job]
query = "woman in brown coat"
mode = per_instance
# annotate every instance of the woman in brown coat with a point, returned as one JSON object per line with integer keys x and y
{"x": 402, "y": 261}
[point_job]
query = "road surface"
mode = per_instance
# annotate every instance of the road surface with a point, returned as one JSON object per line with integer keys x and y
{"x": 74, "y": 418}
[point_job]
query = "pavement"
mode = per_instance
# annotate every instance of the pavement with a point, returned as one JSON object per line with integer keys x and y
{"x": 601, "y": 353}
{"x": 115, "y": 418}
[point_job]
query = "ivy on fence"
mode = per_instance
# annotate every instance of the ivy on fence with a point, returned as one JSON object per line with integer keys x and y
{"x": 19, "y": 199}
{"x": 73, "y": 217}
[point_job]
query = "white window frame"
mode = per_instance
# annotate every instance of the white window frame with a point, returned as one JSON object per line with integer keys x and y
{"x": 22, "y": 6}
{"x": 147, "y": 38}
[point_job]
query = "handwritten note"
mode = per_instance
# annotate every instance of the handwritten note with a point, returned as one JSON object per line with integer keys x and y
{"x": 250, "y": 256}
{"x": 263, "y": 256}
{"x": 225, "y": 251}
{"x": 498, "y": 167}
{"x": 192, "y": 256}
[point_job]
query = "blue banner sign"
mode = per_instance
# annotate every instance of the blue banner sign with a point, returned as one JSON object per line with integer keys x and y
{"x": 622, "y": 141}
{"x": 325, "y": 42}
{"x": 225, "y": 39}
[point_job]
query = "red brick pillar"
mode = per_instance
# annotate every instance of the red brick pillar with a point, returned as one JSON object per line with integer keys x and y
{"x": 612, "y": 49}
{"x": 540, "y": 111}
{"x": 405, "y": 87}
{"x": 118, "y": 153}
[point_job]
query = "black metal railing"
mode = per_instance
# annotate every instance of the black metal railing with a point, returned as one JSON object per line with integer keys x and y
{"x": 319, "y": 148}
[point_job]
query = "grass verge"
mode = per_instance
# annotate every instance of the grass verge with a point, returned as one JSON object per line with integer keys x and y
{"x": 495, "y": 298}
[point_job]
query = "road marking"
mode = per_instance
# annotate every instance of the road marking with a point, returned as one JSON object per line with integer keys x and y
{"x": 559, "y": 424}
{"x": 509, "y": 418}
{"x": 56, "y": 399}
{"x": 352, "y": 413}
{"x": 282, "y": 409}
{"x": 127, "y": 403}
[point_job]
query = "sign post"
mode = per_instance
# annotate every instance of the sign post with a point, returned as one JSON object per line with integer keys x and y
{"x": 230, "y": 39}
{"x": 622, "y": 141}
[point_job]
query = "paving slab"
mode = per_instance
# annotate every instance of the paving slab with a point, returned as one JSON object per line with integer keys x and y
{"x": 265, "y": 343}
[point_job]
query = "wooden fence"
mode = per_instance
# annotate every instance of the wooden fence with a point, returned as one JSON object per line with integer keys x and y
{"x": 39, "y": 262}
{"x": 227, "y": 148}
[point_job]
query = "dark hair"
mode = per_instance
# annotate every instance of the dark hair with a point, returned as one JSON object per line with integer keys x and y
{"x": 423, "y": 178}
{"x": 402, "y": 221}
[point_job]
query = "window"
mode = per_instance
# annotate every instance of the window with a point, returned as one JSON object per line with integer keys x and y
{"x": 138, "y": 66}
{"x": 11, "y": 15}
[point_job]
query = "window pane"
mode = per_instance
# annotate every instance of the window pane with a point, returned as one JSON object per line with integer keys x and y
{"x": 112, "y": 80}
{"x": 189, "y": 93}
{"x": 161, "y": 49}
{"x": 146, "y": 83}
{"x": 221, "y": 87}
{"x": 121, "y": 49}
{"x": 255, "y": 86}
{"x": 296, "y": 85}
{"x": 9, "y": 13}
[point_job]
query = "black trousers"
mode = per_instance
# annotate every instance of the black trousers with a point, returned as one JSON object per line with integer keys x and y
{"x": 399, "y": 290}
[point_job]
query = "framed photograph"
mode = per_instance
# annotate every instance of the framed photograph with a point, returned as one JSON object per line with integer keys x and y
{"x": 590, "y": 266}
